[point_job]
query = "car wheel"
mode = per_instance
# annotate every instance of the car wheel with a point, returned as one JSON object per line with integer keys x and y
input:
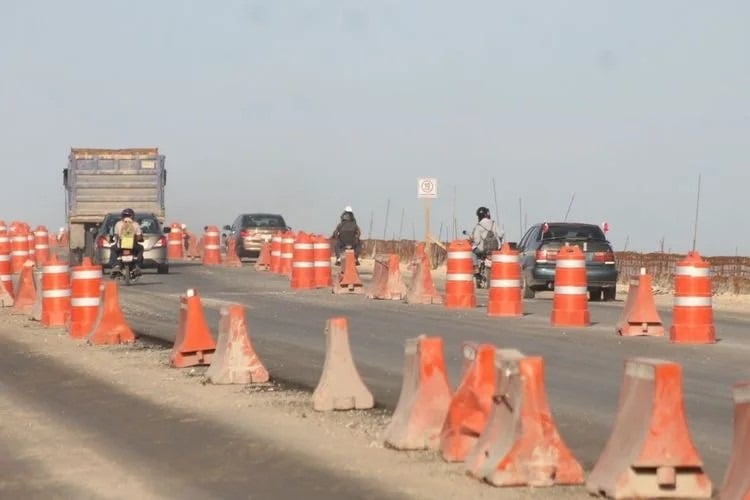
{"x": 528, "y": 292}
{"x": 595, "y": 294}
{"x": 162, "y": 269}
{"x": 610, "y": 293}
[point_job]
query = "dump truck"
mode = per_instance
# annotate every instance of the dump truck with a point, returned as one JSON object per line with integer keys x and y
{"x": 102, "y": 181}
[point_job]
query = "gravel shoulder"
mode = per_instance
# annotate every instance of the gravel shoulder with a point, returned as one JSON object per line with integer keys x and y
{"x": 51, "y": 454}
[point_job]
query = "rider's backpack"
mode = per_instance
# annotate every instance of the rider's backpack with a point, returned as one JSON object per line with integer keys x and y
{"x": 491, "y": 242}
{"x": 127, "y": 236}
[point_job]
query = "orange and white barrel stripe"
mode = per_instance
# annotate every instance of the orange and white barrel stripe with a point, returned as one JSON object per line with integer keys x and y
{"x": 55, "y": 293}
{"x": 692, "y": 312}
{"x": 211, "y": 246}
{"x": 505, "y": 284}
{"x": 287, "y": 253}
{"x": 41, "y": 245}
{"x": 175, "y": 242}
{"x": 459, "y": 284}
{"x": 85, "y": 300}
{"x": 6, "y": 269}
{"x": 19, "y": 247}
{"x": 303, "y": 263}
{"x": 276, "y": 253}
{"x": 322, "y": 256}
{"x": 570, "y": 302}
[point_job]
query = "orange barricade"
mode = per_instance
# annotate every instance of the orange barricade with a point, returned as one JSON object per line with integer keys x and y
{"x": 235, "y": 360}
{"x": 570, "y": 306}
{"x": 650, "y": 453}
{"x": 193, "y": 343}
{"x": 459, "y": 284}
{"x": 110, "y": 326}
{"x": 692, "y": 313}
{"x": 505, "y": 284}
{"x": 424, "y": 399}
{"x": 736, "y": 479}
{"x": 340, "y": 387}
{"x": 19, "y": 247}
{"x": 276, "y": 252}
{"x": 211, "y": 247}
{"x": 387, "y": 283}
{"x": 41, "y": 245}
{"x": 348, "y": 280}
{"x": 6, "y": 268}
{"x": 471, "y": 404}
{"x": 85, "y": 298}
{"x": 303, "y": 263}
{"x": 422, "y": 289}
{"x": 639, "y": 316}
{"x": 55, "y": 292}
{"x": 287, "y": 253}
{"x": 23, "y": 301}
{"x": 264, "y": 259}
{"x": 176, "y": 242}
{"x": 520, "y": 445}
{"x": 322, "y": 262}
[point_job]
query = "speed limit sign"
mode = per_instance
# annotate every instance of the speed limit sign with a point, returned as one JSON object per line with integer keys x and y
{"x": 427, "y": 187}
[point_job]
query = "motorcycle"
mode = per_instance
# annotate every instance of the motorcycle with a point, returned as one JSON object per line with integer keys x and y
{"x": 482, "y": 270}
{"x": 127, "y": 261}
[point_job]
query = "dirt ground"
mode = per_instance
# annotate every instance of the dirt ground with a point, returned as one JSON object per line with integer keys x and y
{"x": 346, "y": 442}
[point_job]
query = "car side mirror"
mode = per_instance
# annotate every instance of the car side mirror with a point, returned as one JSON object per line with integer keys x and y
{"x": 227, "y": 228}
{"x": 288, "y": 228}
{"x": 513, "y": 245}
{"x": 167, "y": 230}
{"x": 464, "y": 232}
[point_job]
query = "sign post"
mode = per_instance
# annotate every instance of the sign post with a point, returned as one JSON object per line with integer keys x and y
{"x": 427, "y": 190}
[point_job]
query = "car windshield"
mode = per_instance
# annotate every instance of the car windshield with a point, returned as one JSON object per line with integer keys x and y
{"x": 573, "y": 232}
{"x": 262, "y": 221}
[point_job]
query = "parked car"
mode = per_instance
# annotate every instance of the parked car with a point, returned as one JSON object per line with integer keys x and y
{"x": 250, "y": 231}
{"x": 155, "y": 250}
{"x": 538, "y": 250}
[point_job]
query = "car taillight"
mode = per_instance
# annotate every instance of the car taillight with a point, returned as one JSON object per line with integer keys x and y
{"x": 246, "y": 233}
{"x": 161, "y": 243}
{"x": 605, "y": 257}
{"x": 546, "y": 255}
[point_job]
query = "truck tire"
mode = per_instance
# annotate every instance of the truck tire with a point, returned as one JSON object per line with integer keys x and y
{"x": 89, "y": 248}
{"x": 76, "y": 256}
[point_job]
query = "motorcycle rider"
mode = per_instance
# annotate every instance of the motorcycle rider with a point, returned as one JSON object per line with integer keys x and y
{"x": 479, "y": 234}
{"x": 347, "y": 233}
{"x": 127, "y": 221}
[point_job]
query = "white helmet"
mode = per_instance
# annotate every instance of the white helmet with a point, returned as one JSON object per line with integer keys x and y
{"x": 348, "y": 209}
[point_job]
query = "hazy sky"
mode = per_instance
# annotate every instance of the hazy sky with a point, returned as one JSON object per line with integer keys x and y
{"x": 303, "y": 107}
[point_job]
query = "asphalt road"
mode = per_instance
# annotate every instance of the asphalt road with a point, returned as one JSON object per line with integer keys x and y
{"x": 584, "y": 366}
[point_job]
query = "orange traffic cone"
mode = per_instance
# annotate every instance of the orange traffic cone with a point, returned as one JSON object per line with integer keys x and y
{"x": 193, "y": 343}
{"x": 505, "y": 284}
{"x": 264, "y": 259}
{"x": 692, "y": 314}
{"x": 639, "y": 316}
{"x": 570, "y": 306}
{"x": 110, "y": 326}
{"x": 348, "y": 281}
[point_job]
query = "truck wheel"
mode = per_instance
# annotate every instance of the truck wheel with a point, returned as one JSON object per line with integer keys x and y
{"x": 76, "y": 256}
{"x": 610, "y": 294}
{"x": 162, "y": 269}
{"x": 595, "y": 294}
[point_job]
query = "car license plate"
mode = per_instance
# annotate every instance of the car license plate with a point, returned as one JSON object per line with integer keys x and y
{"x": 127, "y": 258}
